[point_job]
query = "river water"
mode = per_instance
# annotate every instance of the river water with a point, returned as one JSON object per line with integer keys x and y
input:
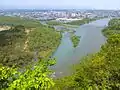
{"x": 90, "y": 42}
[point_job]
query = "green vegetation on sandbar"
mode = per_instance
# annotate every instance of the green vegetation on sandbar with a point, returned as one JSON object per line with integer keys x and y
{"x": 25, "y": 41}
{"x": 57, "y": 23}
{"x": 100, "y": 71}
{"x": 81, "y": 22}
{"x": 54, "y": 23}
{"x": 75, "y": 40}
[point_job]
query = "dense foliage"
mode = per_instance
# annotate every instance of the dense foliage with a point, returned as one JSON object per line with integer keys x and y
{"x": 100, "y": 71}
{"x": 44, "y": 40}
{"x": 113, "y": 28}
{"x": 114, "y": 24}
{"x": 25, "y": 41}
{"x": 35, "y": 77}
{"x": 11, "y": 47}
{"x": 18, "y": 47}
{"x": 75, "y": 40}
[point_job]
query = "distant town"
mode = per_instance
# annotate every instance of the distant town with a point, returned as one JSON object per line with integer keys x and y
{"x": 60, "y": 15}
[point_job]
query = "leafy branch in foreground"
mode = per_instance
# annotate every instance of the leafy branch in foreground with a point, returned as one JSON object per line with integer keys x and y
{"x": 35, "y": 77}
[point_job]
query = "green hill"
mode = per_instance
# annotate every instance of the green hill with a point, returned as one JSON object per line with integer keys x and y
{"x": 6, "y": 20}
{"x": 19, "y": 44}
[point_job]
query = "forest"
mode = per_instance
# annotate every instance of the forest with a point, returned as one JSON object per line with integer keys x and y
{"x": 100, "y": 71}
{"x": 25, "y": 41}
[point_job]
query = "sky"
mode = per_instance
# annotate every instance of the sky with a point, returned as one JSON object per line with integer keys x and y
{"x": 59, "y": 4}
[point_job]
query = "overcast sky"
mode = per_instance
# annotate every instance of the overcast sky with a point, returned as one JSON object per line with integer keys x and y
{"x": 55, "y": 4}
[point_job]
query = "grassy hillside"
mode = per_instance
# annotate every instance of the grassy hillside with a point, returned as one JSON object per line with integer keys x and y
{"x": 25, "y": 41}
{"x": 26, "y": 44}
{"x": 6, "y": 20}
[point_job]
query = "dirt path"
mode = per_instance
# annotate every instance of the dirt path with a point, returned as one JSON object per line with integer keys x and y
{"x": 2, "y": 28}
{"x": 26, "y": 42}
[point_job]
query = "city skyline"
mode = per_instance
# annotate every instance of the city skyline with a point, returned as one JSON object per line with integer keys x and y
{"x": 59, "y": 4}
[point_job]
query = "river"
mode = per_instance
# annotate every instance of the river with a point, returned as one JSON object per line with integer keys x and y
{"x": 90, "y": 42}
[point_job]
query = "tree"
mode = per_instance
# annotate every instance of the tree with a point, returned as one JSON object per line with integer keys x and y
{"x": 32, "y": 78}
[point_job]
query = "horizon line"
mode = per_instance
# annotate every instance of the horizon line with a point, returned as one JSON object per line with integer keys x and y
{"x": 55, "y": 9}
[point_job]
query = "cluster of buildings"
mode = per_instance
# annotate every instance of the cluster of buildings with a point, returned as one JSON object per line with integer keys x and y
{"x": 60, "y": 14}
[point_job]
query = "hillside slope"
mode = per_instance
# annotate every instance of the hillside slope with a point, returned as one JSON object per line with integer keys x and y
{"x": 25, "y": 40}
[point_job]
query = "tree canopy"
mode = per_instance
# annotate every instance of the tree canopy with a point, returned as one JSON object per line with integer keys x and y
{"x": 24, "y": 42}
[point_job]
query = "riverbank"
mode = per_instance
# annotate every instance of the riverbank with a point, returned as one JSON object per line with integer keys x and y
{"x": 90, "y": 42}
{"x": 114, "y": 27}
{"x": 98, "y": 71}
{"x": 69, "y": 26}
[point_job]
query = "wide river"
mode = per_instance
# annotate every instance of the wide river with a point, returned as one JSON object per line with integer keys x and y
{"x": 90, "y": 42}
